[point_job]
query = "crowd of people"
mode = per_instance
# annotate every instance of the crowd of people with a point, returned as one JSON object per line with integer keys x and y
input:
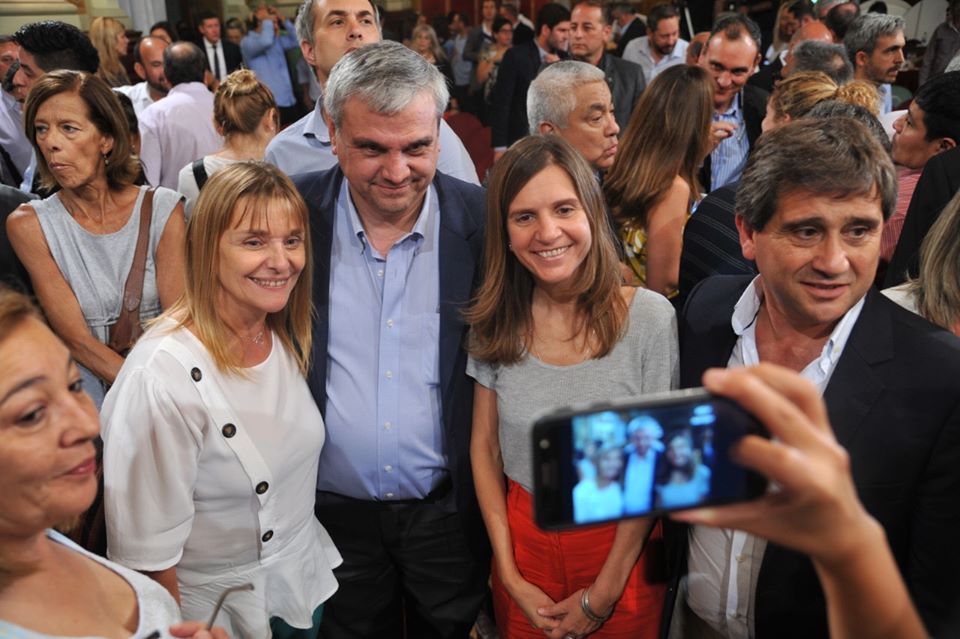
{"x": 273, "y": 370}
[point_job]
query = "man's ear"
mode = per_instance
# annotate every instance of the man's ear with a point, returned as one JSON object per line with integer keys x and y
{"x": 545, "y": 127}
{"x": 140, "y": 71}
{"x": 747, "y": 244}
{"x": 946, "y": 144}
{"x": 860, "y": 59}
{"x": 607, "y": 32}
{"x": 332, "y": 130}
{"x": 307, "y": 49}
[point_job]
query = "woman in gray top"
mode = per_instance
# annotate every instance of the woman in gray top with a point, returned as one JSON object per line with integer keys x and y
{"x": 552, "y": 326}
{"x": 78, "y": 244}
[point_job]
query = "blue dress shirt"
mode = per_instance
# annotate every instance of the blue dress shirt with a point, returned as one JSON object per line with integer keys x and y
{"x": 730, "y": 157}
{"x": 383, "y": 414}
{"x": 264, "y": 54}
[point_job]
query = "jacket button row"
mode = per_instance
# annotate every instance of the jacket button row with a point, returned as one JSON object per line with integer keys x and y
{"x": 228, "y": 430}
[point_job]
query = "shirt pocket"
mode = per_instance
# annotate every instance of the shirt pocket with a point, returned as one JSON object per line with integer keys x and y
{"x": 430, "y": 348}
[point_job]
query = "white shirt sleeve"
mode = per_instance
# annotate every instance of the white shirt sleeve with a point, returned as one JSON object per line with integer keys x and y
{"x": 150, "y": 459}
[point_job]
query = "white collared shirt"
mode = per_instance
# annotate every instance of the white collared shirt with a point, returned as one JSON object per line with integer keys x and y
{"x": 139, "y": 95}
{"x": 723, "y": 565}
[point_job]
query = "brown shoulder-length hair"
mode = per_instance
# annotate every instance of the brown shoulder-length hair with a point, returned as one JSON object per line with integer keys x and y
{"x": 103, "y": 110}
{"x": 240, "y": 193}
{"x": 500, "y": 314}
{"x": 668, "y": 135}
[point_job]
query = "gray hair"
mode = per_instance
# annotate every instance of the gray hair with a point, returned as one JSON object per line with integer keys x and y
{"x": 387, "y": 76}
{"x": 551, "y": 95}
{"x": 826, "y": 57}
{"x": 867, "y": 29}
{"x": 305, "y": 18}
{"x": 850, "y": 163}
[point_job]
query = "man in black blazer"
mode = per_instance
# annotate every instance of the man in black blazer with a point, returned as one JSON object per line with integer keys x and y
{"x": 397, "y": 248}
{"x": 890, "y": 379}
{"x": 589, "y": 32}
{"x": 519, "y": 67}
{"x": 223, "y": 57}
{"x": 730, "y": 56}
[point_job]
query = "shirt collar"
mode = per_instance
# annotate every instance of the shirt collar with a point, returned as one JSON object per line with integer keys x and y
{"x": 315, "y": 125}
{"x": 419, "y": 232}
{"x": 748, "y": 307}
{"x": 195, "y": 88}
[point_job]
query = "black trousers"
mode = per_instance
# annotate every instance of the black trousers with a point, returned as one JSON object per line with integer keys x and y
{"x": 407, "y": 570}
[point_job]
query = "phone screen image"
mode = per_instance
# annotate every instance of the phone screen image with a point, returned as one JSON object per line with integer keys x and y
{"x": 634, "y": 461}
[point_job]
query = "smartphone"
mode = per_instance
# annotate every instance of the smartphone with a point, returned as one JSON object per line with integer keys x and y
{"x": 664, "y": 452}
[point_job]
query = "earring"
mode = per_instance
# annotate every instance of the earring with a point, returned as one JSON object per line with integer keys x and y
{"x": 105, "y": 156}
{"x": 509, "y": 246}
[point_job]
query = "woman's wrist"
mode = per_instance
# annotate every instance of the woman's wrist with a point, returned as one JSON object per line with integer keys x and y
{"x": 603, "y": 597}
{"x": 596, "y": 608}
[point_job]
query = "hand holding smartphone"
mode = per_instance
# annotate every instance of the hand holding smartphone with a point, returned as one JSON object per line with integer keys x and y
{"x": 643, "y": 457}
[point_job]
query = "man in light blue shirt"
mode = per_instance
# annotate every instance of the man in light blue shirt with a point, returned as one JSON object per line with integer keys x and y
{"x": 327, "y": 30}
{"x": 662, "y": 47}
{"x": 730, "y": 56}
{"x": 264, "y": 53}
{"x": 396, "y": 251}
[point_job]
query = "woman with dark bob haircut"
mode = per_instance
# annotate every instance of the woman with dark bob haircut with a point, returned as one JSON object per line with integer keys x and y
{"x": 49, "y": 586}
{"x": 78, "y": 245}
{"x": 552, "y": 326}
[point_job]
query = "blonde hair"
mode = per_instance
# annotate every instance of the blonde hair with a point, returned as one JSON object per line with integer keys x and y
{"x": 500, "y": 314}
{"x": 435, "y": 47}
{"x": 803, "y": 90}
{"x": 104, "y": 33}
{"x": 242, "y": 191}
{"x": 937, "y": 289}
{"x": 241, "y": 102}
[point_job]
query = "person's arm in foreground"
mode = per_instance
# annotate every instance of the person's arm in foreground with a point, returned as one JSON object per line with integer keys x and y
{"x": 816, "y": 510}
{"x": 488, "y": 480}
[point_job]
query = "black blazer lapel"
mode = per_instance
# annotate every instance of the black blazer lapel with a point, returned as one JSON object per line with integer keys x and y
{"x": 320, "y": 190}
{"x": 458, "y": 271}
{"x": 854, "y": 386}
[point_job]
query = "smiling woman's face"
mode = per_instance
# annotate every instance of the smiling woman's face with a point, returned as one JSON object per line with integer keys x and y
{"x": 47, "y": 427}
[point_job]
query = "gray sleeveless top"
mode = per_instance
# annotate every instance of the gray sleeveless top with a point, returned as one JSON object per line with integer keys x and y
{"x": 96, "y": 266}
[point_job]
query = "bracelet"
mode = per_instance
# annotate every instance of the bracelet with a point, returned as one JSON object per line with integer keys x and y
{"x": 590, "y": 614}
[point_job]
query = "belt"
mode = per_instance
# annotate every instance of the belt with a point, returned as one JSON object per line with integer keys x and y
{"x": 440, "y": 491}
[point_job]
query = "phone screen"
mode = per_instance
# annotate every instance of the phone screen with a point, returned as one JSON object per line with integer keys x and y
{"x": 636, "y": 459}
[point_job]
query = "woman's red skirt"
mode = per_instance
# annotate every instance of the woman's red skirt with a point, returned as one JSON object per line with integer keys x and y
{"x": 561, "y": 563}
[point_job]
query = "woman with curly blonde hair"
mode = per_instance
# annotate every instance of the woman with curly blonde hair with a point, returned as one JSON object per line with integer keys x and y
{"x": 109, "y": 37}
{"x": 794, "y": 97}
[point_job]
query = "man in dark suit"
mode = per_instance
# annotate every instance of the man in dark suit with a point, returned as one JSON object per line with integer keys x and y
{"x": 890, "y": 379}
{"x": 731, "y": 54}
{"x": 631, "y": 26}
{"x": 589, "y": 32}
{"x": 223, "y": 57}
{"x": 519, "y": 67}
{"x": 396, "y": 252}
